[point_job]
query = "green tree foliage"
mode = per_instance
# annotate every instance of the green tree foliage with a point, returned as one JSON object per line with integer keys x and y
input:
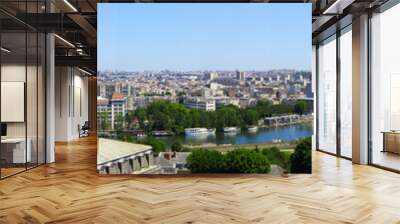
{"x": 177, "y": 145}
{"x": 250, "y": 117}
{"x": 175, "y": 117}
{"x": 246, "y": 161}
{"x": 265, "y": 108}
{"x": 275, "y": 156}
{"x": 157, "y": 145}
{"x": 141, "y": 115}
{"x": 104, "y": 123}
{"x": 300, "y": 160}
{"x": 300, "y": 107}
{"x": 119, "y": 121}
{"x": 205, "y": 161}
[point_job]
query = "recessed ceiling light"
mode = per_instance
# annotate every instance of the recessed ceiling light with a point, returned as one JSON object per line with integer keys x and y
{"x": 84, "y": 71}
{"x": 70, "y": 5}
{"x": 64, "y": 40}
{"x": 5, "y": 50}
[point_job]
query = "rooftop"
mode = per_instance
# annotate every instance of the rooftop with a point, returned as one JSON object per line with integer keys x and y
{"x": 102, "y": 100}
{"x": 110, "y": 150}
{"x": 117, "y": 96}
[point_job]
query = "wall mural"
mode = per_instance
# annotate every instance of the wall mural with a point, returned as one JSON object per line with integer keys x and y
{"x": 204, "y": 88}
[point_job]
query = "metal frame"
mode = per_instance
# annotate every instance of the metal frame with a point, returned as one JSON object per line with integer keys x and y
{"x": 44, "y": 74}
{"x": 339, "y": 32}
{"x": 338, "y": 99}
{"x": 387, "y": 5}
{"x": 381, "y": 9}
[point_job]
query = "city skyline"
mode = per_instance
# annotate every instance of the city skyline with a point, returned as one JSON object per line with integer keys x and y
{"x": 199, "y": 70}
{"x": 204, "y": 37}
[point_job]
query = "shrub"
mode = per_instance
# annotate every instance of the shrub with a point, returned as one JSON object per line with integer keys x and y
{"x": 246, "y": 161}
{"x": 300, "y": 160}
{"x": 205, "y": 161}
{"x": 300, "y": 107}
{"x": 157, "y": 145}
{"x": 275, "y": 156}
{"x": 177, "y": 145}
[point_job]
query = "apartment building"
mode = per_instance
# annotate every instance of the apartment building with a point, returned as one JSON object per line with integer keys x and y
{"x": 201, "y": 104}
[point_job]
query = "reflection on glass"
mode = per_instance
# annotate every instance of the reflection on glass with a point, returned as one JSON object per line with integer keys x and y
{"x": 14, "y": 153}
{"x": 31, "y": 97}
{"x": 327, "y": 96}
{"x": 41, "y": 98}
{"x": 346, "y": 94}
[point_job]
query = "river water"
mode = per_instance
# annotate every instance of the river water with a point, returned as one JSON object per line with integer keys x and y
{"x": 263, "y": 135}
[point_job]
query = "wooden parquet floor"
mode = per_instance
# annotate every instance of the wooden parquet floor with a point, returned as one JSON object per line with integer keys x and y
{"x": 70, "y": 191}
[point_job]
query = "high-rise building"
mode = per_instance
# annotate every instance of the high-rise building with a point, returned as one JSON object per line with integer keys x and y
{"x": 112, "y": 111}
{"x": 240, "y": 76}
{"x": 211, "y": 76}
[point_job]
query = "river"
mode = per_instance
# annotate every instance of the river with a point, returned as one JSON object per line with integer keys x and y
{"x": 263, "y": 135}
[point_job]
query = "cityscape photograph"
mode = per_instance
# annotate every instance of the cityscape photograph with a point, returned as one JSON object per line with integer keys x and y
{"x": 186, "y": 89}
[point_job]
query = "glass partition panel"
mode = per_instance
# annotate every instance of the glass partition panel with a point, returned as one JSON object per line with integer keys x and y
{"x": 22, "y": 87}
{"x": 327, "y": 95}
{"x": 346, "y": 93}
{"x": 31, "y": 97}
{"x": 41, "y": 98}
{"x": 15, "y": 151}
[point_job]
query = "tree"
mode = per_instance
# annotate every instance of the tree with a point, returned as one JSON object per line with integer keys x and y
{"x": 300, "y": 107}
{"x": 157, "y": 145}
{"x": 250, "y": 117}
{"x": 177, "y": 145}
{"x": 205, "y": 161}
{"x": 141, "y": 115}
{"x": 119, "y": 121}
{"x": 300, "y": 160}
{"x": 129, "y": 116}
{"x": 263, "y": 108}
{"x": 104, "y": 123}
{"x": 246, "y": 161}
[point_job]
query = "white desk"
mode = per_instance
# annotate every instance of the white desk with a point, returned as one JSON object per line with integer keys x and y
{"x": 18, "y": 151}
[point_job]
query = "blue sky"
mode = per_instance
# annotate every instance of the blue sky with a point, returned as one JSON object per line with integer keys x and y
{"x": 137, "y": 37}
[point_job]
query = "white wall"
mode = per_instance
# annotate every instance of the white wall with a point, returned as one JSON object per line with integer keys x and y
{"x": 71, "y": 103}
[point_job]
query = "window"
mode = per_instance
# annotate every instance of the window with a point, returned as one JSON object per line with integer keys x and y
{"x": 385, "y": 89}
{"x": 327, "y": 95}
{"x": 22, "y": 76}
{"x": 346, "y": 93}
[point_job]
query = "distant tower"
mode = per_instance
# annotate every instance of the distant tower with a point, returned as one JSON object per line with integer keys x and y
{"x": 239, "y": 75}
{"x": 213, "y": 75}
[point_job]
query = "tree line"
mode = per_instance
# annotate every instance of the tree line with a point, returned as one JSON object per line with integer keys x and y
{"x": 175, "y": 117}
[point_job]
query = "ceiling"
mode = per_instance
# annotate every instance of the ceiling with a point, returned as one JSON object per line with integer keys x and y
{"x": 75, "y": 21}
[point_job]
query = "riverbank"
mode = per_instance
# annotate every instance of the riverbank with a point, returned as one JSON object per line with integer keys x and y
{"x": 281, "y": 121}
{"x": 229, "y": 147}
{"x": 264, "y": 137}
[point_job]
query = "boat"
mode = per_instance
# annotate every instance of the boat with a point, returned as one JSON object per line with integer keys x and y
{"x": 252, "y": 129}
{"x": 141, "y": 135}
{"x": 199, "y": 131}
{"x": 231, "y": 130}
{"x": 161, "y": 133}
{"x": 276, "y": 140}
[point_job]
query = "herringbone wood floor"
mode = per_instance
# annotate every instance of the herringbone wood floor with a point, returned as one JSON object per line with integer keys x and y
{"x": 70, "y": 191}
